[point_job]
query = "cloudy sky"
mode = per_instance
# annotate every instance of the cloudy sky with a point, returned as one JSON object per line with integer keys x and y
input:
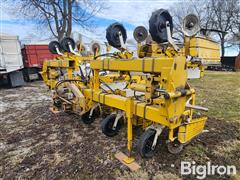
{"x": 130, "y": 13}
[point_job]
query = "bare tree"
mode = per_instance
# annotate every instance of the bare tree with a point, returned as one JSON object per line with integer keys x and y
{"x": 200, "y": 8}
{"x": 223, "y": 19}
{"x": 235, "y": 28}
{"x": 58, "y": 15}
{"x": 213, "y": 14}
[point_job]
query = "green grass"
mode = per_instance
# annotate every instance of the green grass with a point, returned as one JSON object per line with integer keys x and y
{"x": 220, "y": 92}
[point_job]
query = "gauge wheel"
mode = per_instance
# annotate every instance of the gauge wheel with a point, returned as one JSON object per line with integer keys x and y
{"x": 107, "y": 125}
{"x": 66, "y": 42}
{"x": 53, "y": 45}
{"x": 174, "y": 147}
{"x": 89, "y": 120}
{"x": 145, "y": 143}
{"x": 57, "y": 103}
{"x": 140, "y": 34}
{"x": 112, "y": 34}
{"x": 157, "y": 25}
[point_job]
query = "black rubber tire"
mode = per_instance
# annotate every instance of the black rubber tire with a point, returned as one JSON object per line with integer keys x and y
{"x": 145, "y": 143}
{"x": 174, "y": 147}
{"x": 57, "y": 103}
{"x": 89, "y": 120}
{"x": 157, "y": 25}
{"x": 112, "y": 34}
{"x": 107, "y": 124}
{"x": 65, "y": 42}
{"x": 52, "y": 47}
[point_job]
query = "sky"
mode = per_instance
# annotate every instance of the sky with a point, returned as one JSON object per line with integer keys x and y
{"x": 131, "y": 13}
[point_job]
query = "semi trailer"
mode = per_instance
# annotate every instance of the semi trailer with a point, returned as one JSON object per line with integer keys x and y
{"x": 11, "y": 63}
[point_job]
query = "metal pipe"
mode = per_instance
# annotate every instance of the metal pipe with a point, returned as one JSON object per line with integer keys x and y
{"x": 138, "y": 87}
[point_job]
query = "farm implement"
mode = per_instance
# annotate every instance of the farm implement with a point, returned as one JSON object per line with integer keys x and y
{"x": 150, "y": 91}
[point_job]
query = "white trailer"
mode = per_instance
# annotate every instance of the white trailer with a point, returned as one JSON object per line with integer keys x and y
{"x": 11, "y": 61}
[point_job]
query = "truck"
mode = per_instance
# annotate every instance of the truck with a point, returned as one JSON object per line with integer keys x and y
{"x": 11, "y": 63}
{"x": 33, "y": 56}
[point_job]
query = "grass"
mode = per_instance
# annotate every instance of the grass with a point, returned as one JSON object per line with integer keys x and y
{"x": 220, "y": 92}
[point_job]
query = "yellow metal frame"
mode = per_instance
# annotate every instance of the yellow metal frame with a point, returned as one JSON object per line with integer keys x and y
{"x": 165, "y": 70}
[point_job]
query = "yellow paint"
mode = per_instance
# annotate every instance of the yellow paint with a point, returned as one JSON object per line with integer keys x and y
{"x": 162, "y": 80}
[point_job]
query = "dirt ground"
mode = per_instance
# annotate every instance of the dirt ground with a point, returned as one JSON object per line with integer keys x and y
{"x": 35, "y": 143}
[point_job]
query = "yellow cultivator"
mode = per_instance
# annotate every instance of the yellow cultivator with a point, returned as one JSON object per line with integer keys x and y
{"x": 150, "y": 91}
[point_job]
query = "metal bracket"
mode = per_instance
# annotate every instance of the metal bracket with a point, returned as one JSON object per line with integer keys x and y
{"x": 158, "y": 128}
{"x": 119, "y": 116}
{"x": 72, "y": 51}
{"x": 169, "y": 36}
{"x": 93, "y": 108}
{"x": 123, "y": 45}
{"x": 188, "y": 105}
{"x": 58, "y": 51}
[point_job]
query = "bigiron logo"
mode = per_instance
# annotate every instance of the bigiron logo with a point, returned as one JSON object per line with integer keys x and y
{"x": 201, "y": 171}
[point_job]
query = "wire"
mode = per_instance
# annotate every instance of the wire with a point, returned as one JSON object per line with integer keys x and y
{"x": 137, "y": 97}
{"x": 82, "y": 75}
{"x": 112, "y": 55}
{"x": 107, "y": 86}
{"x": 103, "y": 89}
{"x": 106, "y": 54}
{"x": 89, "y": 74}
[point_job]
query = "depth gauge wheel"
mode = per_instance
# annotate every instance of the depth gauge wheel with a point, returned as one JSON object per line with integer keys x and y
{"x": 107, "y": 125}
{"x": 57, "y": 103}
{"x": 145, "y": 144}
{"x": 157, "y": 25}
{"x": 66, "y": 42}
{"x": 112, "y": 34}
{"x": 175, "y": 147}
{"x": 53, "y": 45}
{"x": 87, "y": 119}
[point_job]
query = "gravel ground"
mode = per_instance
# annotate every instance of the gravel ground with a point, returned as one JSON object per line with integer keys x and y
{"x": 35, "y": 143}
